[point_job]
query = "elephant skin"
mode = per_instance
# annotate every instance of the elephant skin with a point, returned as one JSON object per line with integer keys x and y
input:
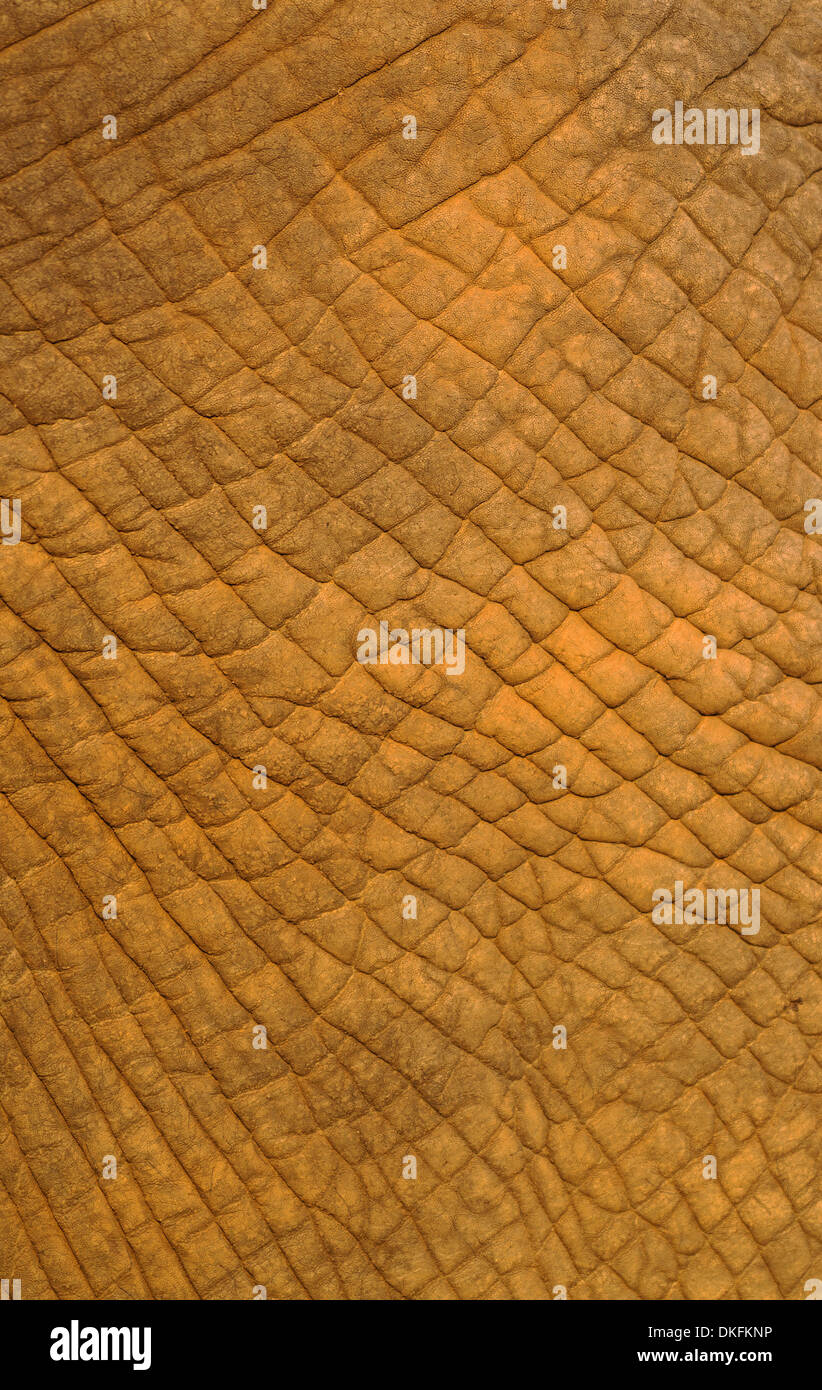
{"x": 327, "y": 975}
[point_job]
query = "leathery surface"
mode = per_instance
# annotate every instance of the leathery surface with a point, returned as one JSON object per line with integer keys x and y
{"x": 284, "y": 901}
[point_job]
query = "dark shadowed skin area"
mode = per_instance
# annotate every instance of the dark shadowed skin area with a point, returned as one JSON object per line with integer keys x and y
{"x": 431, "y": 1029}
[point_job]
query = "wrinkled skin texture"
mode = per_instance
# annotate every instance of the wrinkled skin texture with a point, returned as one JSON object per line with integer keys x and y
{"x": 239, "y": 906}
